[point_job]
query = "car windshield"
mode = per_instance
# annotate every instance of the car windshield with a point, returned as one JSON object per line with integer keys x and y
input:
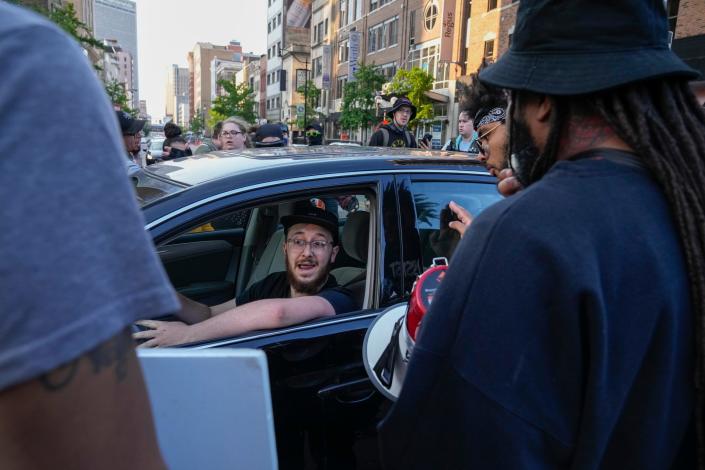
{"x": 156, "y": 144}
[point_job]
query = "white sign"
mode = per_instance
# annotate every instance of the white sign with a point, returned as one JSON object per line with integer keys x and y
{"x": 354, "y": 45}
{"x": 300, "y": 78}
{"x": 447, "y": 31}
{"x": 325, "y": 81}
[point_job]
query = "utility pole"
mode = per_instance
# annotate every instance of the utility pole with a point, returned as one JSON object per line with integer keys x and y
{"x": 305, "y": 93}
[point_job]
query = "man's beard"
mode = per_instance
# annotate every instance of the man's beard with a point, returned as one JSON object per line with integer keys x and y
{"x": 310, "y": 287}
{"x": 522, "y": 152}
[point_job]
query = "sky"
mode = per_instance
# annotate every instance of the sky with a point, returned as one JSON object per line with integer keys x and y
{"x": 168, "y": 29}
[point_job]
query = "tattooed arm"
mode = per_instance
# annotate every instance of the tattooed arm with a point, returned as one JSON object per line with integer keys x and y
{"x": 90, "y": 413}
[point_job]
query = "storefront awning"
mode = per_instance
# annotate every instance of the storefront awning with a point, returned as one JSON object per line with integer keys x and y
{"x": 437, "y": 97}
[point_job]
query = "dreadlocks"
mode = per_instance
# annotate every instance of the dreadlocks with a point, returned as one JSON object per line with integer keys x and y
{"x": 663, "y": 123}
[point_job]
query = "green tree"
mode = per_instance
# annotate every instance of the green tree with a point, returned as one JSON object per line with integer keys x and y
{"x": 197, "y": 123}
{"x": 237, "y": 101}
{"x": 414, "y": 84}
{"x": 118, "y": 97}
{"x": 65, "y": 17}
{"x": 358, "y": 110}
{"x": 312, "y": 95}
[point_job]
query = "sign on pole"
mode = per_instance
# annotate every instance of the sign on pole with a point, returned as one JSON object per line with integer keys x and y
{"x": 354, "y": 45}
{"x": 325, "y": 81}
{"x": 300, "y": 78}
{"x": 447, "y": 31}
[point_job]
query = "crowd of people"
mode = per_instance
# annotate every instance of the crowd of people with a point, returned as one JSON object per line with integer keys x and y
{"x": 567, "y": 333}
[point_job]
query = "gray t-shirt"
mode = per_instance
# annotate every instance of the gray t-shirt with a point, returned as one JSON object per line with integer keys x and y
{"x": 76, "y": 266}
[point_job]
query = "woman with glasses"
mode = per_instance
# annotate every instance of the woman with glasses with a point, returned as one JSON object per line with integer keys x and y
{"x": 233, "y": 135}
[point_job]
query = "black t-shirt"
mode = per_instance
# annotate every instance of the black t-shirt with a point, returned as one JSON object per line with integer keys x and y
{"x": 396, "y": 137}
{"x": 276, "y": 286}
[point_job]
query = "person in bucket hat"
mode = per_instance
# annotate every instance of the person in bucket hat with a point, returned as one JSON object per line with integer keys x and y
{"x": 396, "y": 133}
{"x": 568, "y": 331}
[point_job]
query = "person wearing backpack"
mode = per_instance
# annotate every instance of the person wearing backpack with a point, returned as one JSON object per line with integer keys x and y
{"x": 466, "y": 141}
{"x": 396, "y": 133}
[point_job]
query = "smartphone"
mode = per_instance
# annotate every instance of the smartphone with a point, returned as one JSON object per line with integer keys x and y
{"x": 447, "y": 216}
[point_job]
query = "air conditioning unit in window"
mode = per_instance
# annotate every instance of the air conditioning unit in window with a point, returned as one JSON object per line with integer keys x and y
{"x": 411, "y": 42}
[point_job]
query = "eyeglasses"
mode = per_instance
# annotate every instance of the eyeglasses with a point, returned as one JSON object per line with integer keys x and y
{"x": 297, "y": 245}
{"x": 482, "y": 137}
{"x": 230, "y": 133}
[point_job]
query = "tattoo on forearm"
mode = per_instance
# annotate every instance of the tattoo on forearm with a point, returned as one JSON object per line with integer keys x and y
{"x": 60, "y": 377}
{"x": 113, "y": 353}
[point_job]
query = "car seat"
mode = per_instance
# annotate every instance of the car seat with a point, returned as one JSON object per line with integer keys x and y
{"x": 355, "y": 242}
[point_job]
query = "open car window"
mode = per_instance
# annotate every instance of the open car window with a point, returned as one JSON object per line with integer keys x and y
{"x": 219, "y": 258}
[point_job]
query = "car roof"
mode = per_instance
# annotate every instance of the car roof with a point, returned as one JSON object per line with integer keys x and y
{"x": 198, "y": 169}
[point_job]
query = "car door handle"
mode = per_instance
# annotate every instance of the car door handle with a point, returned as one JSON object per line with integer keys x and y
{"x": 337, "y": 390}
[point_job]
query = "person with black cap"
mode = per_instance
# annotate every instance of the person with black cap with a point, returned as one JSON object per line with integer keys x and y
{"x": 396, "y": 133}
{"x": 305, "y": 291}
{"x": 269, "y": 135}
{"x": 131, "y": 136}
{"x": 568, "y": 332}
{"x": 314, "y": 134}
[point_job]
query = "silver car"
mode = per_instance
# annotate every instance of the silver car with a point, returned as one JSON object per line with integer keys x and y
{"x": 154, "y": 152}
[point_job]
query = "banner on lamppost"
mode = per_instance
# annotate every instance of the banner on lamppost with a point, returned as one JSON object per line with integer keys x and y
{"x": 447, "y": 31}
{"x": 326, "y": 58}
{"x": 301, "y": 77}
{"x": 354, "y": 45}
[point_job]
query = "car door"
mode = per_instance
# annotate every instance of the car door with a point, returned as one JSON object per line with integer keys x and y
{"x": 202, "y": 264}
{"x": 325, "y": 408}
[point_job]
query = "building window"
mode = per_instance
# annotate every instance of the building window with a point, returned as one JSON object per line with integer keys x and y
{"x": 509, "y": 40}
{"x": 391, "y": 31}
{"x": 317, "y": 66}
{"x": 430, "y": 15}
{"x": 383, "y": 35}
{"x": 388, "y": 70}
{"x": 426, "y": 58}
{"x": 325, "y": 28}
{"x": 412, "y": 27}
{"x": 279, "y": 19}
{"x": 491, "y": 5}
{"x": 374, "y": 4}
{"x": 343, "y": 51}
{"x": 489, "y": 49}
{"x": 343, "y": 13}
{"x": 340, "y": 86}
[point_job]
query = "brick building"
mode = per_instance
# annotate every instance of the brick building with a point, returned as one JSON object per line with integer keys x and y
{"x": 687, "y": 20}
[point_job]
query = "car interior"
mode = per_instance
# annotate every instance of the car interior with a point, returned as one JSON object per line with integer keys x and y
{"x": 223, "y": 256}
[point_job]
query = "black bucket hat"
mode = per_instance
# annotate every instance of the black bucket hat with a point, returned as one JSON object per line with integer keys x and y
{"x": 562, "y": 47}
{"x": 403, "y": 101}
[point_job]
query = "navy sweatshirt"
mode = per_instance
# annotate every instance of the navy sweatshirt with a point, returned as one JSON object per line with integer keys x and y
{"x": 561, "y": 337}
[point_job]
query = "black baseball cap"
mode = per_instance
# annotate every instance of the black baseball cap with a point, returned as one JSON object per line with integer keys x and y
{"x": 269, "y": 130}
{"x": 307, "y": 213}
{"x": 128, "y": 124}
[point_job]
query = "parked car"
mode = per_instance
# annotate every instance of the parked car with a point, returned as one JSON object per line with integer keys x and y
{"x": 215, "y": 221}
